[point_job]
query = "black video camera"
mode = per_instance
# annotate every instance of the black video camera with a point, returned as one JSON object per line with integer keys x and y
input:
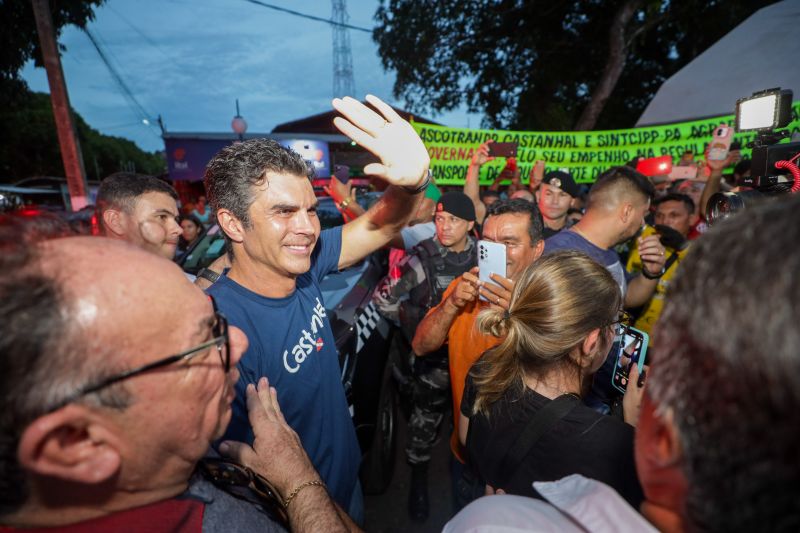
{"x": 774, "y": 168}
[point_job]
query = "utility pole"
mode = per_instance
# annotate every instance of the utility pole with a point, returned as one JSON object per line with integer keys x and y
{"x": 343, "y": 83}
{"x": 65, "y": 126}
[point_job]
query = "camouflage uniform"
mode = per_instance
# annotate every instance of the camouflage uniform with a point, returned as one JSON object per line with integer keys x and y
{"x": 423, "y": 277}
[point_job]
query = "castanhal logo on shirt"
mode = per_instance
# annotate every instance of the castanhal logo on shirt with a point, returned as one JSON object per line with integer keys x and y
{"x": 308, "y": 341}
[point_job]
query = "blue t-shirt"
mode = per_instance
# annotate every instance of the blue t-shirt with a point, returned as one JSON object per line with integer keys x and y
{"x": 571, "y": 240}
{"x": 291, "y": 343}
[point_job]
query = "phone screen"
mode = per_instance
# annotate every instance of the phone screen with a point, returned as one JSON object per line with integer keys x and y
{"x": 503, "y": 149}
{"x": 632, "y": 351}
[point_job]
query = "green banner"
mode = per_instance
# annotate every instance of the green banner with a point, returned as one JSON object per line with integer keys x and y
{"x": 585, "y": 154}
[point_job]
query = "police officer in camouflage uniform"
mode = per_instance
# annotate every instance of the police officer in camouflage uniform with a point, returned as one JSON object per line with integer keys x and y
{"x": 423, "y": 277}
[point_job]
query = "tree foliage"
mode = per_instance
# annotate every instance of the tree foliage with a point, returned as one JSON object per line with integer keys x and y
{"x": 19, "y": 40}
{"x": 31, "y": 148}
{"x": 534, "y": 65}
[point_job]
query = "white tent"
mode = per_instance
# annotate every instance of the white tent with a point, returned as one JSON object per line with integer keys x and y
{"x": 760, "y": 53}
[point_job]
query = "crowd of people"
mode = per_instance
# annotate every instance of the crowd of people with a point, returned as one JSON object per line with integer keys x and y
{"x": 136, "y": 397}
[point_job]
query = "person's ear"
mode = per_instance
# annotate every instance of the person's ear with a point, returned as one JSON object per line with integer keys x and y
{"x": 115, "y": 221}
{"x": 538, "y": 249}
{"x": 664, "y": 449}
{"x": 71, "y": 444}
{"x": 231, "y": 225}
{"x": 625, "y": 213}
{"x": 693, "y": 218}
{"x": 588, "y": 347}
{"x": 536, "y": 195}
{"x": 470, "y": 225}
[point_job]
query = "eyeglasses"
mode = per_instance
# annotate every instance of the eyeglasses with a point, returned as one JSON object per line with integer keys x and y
{"x": 221, "y": 340}
{"x": 243, "y": 483}
{"x": 622, "y": 323}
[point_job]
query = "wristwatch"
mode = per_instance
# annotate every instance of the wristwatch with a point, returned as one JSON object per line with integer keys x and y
{"x": 648, "y": 275}
{"x": 420, "y": 188}
{"x": 208, "y": 274}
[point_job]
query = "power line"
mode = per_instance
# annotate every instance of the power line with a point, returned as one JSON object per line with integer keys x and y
{"x": 126, "y": 92}
{"x": 310, "y": 17}
{"x": 144, "y": 36}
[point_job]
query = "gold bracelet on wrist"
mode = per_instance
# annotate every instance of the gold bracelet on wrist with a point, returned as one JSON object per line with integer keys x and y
{"x": 290, "y": 497}
{"x": 344, "y": 203}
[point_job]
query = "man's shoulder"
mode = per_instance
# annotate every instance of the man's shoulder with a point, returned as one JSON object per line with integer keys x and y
{"x": 509, "y": 512}
{"x": 427, "y": 248}
{"x": 566, "y": 240}
{"x": 412, "y": 235}
{"x": 570, "y": 240}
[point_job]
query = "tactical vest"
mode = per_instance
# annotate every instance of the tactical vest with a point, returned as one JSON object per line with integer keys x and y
{"x": 439, "y": 270}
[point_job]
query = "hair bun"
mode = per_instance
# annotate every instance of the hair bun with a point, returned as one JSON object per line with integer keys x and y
{"x": 494, "y": 321}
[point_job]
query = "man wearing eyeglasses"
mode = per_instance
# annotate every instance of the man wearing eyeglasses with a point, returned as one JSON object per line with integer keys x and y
{"x": 265, "y": 204}
{"x": 114, "y": 387}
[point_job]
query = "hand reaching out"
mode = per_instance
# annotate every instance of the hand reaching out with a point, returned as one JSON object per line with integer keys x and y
{"x": 339, "y": 191}
{"x": 404, "y": 160}
{"x": 481, "y": 155}
{"x": 652, "y": 253}
{"x": 498, "y": 293}
{"x": 467, "y": 289}
{"x": 276, "y": 453}
{"x": 536, "y": 175}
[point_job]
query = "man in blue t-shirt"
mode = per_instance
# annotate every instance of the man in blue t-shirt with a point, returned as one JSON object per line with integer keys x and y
{"x": 263, "y": 200}
{"x": 617, "y": 204}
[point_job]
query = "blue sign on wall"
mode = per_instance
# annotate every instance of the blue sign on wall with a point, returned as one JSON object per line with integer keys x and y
{"x": 315, "y": 153}
{"x": 187, "y": 157}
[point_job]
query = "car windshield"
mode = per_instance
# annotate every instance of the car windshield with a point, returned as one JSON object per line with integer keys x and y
{"x": 212, "y": 245}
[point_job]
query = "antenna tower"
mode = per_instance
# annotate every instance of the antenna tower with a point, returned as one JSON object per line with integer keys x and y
{"x": 343, "y": 83}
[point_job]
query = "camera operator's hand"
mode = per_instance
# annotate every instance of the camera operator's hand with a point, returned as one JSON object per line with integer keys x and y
{"x": 467, "y": 289}
{"x": 652, "y": 253}
{"x": 632, "y": 400}
{"x": 481, "y": 155}
{"x": 404, "y": 160}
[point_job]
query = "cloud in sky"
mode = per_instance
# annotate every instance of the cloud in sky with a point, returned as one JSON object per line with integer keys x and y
{"x": 189, "y": 60}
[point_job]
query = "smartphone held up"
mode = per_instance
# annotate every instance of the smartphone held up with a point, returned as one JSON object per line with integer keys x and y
{"x": 497, "y": 149}
{"x": 491, "y": 260}
{"x": 632, "y": 351}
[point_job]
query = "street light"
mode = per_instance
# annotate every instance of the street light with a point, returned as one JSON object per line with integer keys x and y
{"x": 238, "y": 124}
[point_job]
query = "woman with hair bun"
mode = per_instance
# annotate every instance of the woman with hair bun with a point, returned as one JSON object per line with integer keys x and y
{"x": 560, "y": 325}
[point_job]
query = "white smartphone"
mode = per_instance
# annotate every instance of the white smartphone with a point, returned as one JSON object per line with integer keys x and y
{"x": 721, "y": 143}
{"x": 491, "y": 260}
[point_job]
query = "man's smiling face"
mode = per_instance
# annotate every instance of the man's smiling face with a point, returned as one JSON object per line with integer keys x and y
{"x": 284, "y": 226}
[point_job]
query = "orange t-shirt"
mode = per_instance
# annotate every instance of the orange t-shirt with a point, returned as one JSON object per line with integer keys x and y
{"x": 465, "y": 346}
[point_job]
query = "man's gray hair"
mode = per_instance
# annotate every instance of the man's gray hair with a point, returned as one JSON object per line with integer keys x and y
{"x": 236, "y": 169}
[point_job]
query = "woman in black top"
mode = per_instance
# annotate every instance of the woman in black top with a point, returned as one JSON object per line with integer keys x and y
{"x": 558, "y": 330}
